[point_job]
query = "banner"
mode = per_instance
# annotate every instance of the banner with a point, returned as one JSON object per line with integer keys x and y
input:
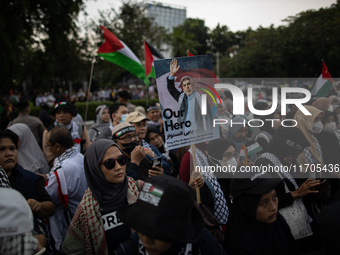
{"x": 188, "y": 100}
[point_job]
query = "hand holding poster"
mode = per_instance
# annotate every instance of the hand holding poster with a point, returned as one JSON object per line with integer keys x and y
{"x": 188, "y": 100}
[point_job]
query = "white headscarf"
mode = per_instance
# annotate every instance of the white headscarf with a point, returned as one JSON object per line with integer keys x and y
{"x": 30, "y": 155}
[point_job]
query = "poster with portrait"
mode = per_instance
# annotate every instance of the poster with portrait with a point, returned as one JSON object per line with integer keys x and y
{"x": 188, "y": 100}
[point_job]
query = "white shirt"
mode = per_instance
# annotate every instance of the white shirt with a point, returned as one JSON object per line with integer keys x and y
{"x": 73, "y": 168}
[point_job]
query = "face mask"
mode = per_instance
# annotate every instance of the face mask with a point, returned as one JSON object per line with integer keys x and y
{"x": 123, "y": 118}
{"x": 231, "y": 162}
{"x": 330, "y": 128}
{"x": 316, "y": 128}
{"x": 130, "y": 146}
{"x": 330, "y": 108}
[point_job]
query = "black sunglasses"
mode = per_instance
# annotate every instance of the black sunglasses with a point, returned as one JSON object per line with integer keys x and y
{"x": 110, "y": 163}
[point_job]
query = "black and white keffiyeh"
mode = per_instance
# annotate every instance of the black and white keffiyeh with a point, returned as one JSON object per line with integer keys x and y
{"x": 73, "y": 127}
{"x": 265, "y": 135}
{"x": 221, "y": 210}
{"x": 62, "y": 157}
{"x": 24, "y": 244}
{"x": 276, "y": 162}
{"x": 309, "y": 156}
{"x": 4, "y": 182}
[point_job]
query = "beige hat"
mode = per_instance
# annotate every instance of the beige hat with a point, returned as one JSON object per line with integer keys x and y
{"x": 140, "y": 109}
{"x": 135, "y": 117}
{"x": 122, "y": 129}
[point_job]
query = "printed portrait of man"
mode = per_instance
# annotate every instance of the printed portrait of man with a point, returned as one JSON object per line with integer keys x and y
{"x": 189, "y": 100}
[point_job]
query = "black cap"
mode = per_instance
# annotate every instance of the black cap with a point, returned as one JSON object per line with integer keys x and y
{"x": 165, "y": 211}
{"x": 65, "y": 105}
{"x": 257, "y": 184}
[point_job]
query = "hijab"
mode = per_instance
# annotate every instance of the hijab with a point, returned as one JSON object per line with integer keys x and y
{"x": 289, "y": 116}
{"x": 322, "y": 103}
{"x": 303, "y": 121}
{"x": 329, "y": 143}
{"x": 231, "y": 136}
{"x": 279, "y": 146}
{"x": 163, "y": 149}
{"x": 99, "y": 112}
{"x": 260, "y": 105}
{"x": 216, "y": 149}
{"x": 30, "y": 155}
{"x": 244, "y": 233}
{"x": 267, "y": 125}
{"x": 110, "y": 196}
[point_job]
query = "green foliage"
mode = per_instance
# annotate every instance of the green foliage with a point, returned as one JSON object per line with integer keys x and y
{"x": 39, "y": 42}
{"x": 181, "y": 42}
{"x": 295, "y": 50}
{"x": 196, "y": 30}
{"x": 42, "y": 46}
{"x": 221, "y": 39}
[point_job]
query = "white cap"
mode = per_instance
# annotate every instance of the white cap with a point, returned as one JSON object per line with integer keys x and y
{"x": 15, "y": 214}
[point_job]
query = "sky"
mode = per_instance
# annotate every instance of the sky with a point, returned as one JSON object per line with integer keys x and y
{"x": 238, "y": 15}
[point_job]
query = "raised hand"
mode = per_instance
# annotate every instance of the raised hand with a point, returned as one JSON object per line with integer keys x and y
{"x": 173, "y": 67}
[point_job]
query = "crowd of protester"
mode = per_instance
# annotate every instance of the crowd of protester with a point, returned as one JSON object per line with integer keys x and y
{"x": 117, "y": 189}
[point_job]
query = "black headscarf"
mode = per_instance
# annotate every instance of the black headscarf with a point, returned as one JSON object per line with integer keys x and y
{"x": 246, "y": 235}
{"x": 279, "y": 147}
{"x": 267, "y": 125}
{"x": 151, "y": 129}
{"x": 110, "y": 196}
{"x": 216, "y": 149}
{"x": 329, "y": 142}
{"x": 290, "y": 116}
{"x": 260, "y": 106}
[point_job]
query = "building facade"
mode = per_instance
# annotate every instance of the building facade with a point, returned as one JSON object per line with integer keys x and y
{"x": 167, "y": 16}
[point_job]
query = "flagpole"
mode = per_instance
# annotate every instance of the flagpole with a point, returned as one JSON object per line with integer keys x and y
{"x": 89, "y": 88}
{"x": 146, "y": 96}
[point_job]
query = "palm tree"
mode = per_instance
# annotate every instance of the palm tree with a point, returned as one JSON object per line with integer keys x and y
{"x": 181, "y": 41}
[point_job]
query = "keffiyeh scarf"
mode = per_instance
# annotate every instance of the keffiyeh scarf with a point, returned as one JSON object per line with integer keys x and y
{"x": 221, "y": 210}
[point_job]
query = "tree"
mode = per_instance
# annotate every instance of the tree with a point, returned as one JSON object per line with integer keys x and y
{"x": 37, "y": 32}
{"x": 309, "y": 37}
{"x": 132, "y": 26}
{"x": 181, "y": 42}
{"x": 196, "y": 29}
{"x": 221, "y": 39}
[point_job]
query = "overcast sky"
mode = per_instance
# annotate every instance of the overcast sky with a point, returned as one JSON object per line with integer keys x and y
{"x": 236, "y": 14}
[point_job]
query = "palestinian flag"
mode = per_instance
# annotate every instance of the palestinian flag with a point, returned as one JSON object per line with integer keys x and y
{"x": 117, "y": 52}
{"x": 189, "y": 54}
{"x": 151, "y": 54}
{"x": 155, "y": 191}
{"x": 323, "y": 83}
{"x": 242, "y": 153}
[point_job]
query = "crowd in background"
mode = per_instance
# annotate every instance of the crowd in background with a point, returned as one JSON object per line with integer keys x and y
{"x": 116, "y": 188}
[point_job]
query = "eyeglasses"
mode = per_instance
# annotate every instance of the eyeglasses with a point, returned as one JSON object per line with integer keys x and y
{"x": 230, "y": 155}
{"x": 46, "y": 146}
{"x": 129, "y": 138}
{"x": 111, "y": 163}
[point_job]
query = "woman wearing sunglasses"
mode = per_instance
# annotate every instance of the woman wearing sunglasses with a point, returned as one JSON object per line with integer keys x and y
{"x": 95, "y": 228}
